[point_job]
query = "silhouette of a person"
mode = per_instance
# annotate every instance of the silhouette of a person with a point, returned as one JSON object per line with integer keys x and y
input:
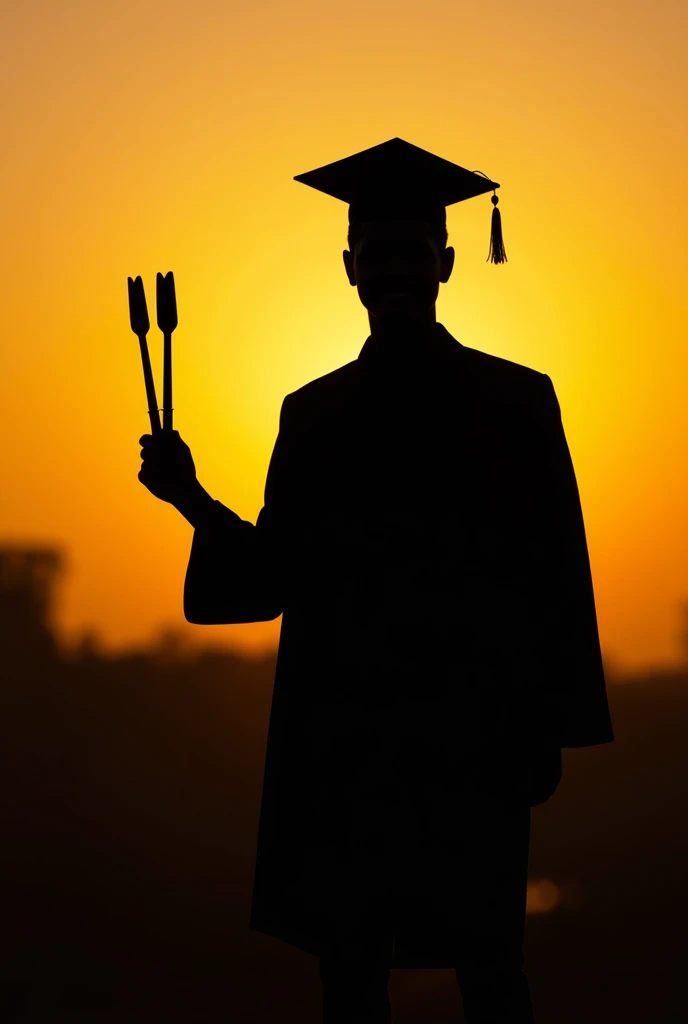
{"x": 423, "y": 538}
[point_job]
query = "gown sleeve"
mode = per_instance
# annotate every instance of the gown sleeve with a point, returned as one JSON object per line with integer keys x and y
{"x": 576, "y": 685}
{"x": 235, "y": 569}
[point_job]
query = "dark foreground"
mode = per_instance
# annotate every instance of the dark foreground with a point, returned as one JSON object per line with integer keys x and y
{"x": 129, "y": 795}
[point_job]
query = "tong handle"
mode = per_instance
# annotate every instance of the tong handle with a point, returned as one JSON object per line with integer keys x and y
{"x": 167, "y": 321}
{"x": 140, "y": 324}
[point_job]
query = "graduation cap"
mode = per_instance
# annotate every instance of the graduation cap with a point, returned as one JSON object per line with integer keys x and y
{"x": 398, "y": 176}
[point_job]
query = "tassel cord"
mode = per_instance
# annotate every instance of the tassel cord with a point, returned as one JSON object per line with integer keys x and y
{"x": 497, "y": 251}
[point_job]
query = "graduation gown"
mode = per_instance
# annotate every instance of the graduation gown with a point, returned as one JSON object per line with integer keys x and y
{"x": 422, "y": 537}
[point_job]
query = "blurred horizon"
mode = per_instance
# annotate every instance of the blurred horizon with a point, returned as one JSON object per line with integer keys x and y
{"x": 174, "y": 637}
{"x": 131, "y": 797}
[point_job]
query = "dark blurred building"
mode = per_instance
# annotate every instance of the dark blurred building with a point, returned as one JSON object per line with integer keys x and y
{"x": 28, "y": 579}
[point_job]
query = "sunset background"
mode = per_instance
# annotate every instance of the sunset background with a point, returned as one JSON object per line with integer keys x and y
{"x": 143, "y": 137}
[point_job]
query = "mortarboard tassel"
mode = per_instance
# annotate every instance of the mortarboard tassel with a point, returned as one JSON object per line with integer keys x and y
{"x": 497, "y": 251}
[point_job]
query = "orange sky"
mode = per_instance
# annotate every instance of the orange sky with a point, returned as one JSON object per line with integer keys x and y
{"x": 145, "y": 136}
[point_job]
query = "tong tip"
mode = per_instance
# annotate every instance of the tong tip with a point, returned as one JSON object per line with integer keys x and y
{"x": 138, "y": 311}
{"x": 166, "y": 301}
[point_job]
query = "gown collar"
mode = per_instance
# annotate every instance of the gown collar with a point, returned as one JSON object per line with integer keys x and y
{"x": 381, "y": 355}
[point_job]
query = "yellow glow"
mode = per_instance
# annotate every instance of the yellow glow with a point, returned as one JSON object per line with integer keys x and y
{"x": 146, "y": 136}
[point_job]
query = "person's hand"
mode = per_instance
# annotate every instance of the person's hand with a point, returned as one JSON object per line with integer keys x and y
{"x": 544, "y": 773}
{"x": 168, "y": 470}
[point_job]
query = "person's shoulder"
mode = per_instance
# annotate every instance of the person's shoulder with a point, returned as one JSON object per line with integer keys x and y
{"x": 323, "y": 390}
{"x": 498, "y": 368}
{"x": 504, "y": 382}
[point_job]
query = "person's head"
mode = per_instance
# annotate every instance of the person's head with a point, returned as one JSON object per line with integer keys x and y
{"x": 398, "y": 251}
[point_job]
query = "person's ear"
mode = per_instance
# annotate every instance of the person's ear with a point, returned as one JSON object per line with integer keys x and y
{"x": 447, "y": 263}
{"x": 349, "y": 264}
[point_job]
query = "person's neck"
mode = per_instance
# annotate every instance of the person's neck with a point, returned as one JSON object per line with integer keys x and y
{"x": 403, "y": 331}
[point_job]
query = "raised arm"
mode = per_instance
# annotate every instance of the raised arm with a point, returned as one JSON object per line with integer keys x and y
{"x": 235, "y": 570}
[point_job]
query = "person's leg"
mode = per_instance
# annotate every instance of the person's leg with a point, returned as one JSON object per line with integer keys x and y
{"x": 496, "y": 821}
{"x": 494, "y": 987}
{"x": 355, "y": 990}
